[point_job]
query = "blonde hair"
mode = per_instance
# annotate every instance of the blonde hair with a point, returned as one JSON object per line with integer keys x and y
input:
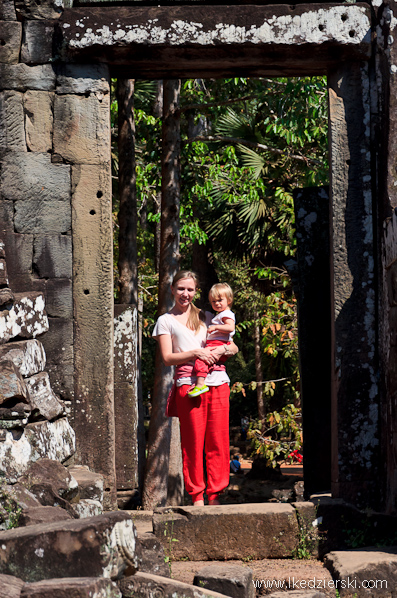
{"x": 196, "y": 316}
{"x": 219, "y": 290}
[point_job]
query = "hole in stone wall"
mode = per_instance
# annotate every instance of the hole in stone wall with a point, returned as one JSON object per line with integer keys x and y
{"x": 92, "y": 212}
{"x": 2, "y": 42}
{"x": 99, "y": 194}
{"x": 86, "y": 292}
{"x": 321, "y": 27}
{"x": 344, "y": 17}
{"x": 352, "y": 33}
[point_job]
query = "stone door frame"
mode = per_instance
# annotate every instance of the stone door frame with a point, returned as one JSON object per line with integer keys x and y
{"x": 203, "y": 41}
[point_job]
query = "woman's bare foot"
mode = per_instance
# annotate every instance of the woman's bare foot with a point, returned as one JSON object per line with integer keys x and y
{"x": 198, "y": 503}
{"x": 214, "y": 502}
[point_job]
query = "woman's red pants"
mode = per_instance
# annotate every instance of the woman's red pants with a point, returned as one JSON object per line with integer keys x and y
{"x": 204, "y": 428}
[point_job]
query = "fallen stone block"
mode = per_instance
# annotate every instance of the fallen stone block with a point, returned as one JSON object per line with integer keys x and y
{"x": 82, "y": 587}
{"x": 259, "y": 531}
{"x": 26, "y": 318}
{"x": 21, "y": 77}
{"x": 87, "y": 508}
{"x": 10, "y": 586}
{"x": 47, "y": 497}
{"x": 154, "y": 559}
{"x": 12, "y": 385}
{"x": 20, "y": 496}
{"x": 55, "y": 440}
{"x": 231, "y": 580}
{"x": 98, "y": 547}
{"x": 7, "y": 10}
{"x": 365, "y": 572}
{"x": 42, "y": 514}
{"x": 90, "y": 483}
{"x": 12, "y": 503}
{"x": 37, "y": 42}
{"x": 28, "y": 356}
{"x": 6, "y": 296}
{"x": 53, "y": 473}
{"x": 14, "y": 415}
{"x": 146, "y": 585}
{"x": 38, "y": 118}
{"x": 3, "y": 274}
{"x": 42, "y": 399}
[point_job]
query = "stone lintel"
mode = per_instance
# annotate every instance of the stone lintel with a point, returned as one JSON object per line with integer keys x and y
{"x": 135, "y": 35}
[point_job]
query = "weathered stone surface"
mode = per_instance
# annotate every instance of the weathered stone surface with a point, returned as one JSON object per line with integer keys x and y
{"x": 153, "y": 554}
{"x": 21, "y": 248}
{"x": 2, "y": 249}
{"x": 299, "y": 593}
{"x": 28, "y": 356}
{"x": 372, "y": 571}
{"x": 93, "y": 320}
{"x": 51, "y": 472}
{"x": 42, "y": 514}
{"x": 126, "y": 396}
{"x": 26, "y": 318}
{"x": 255, "y": 530}
{"x": 55, "y": 440}
{"x": 58, "y": 345}
{"x": 100, "y": 547}
{"x": 231, "y": 580}
{"x": 142, "y": 585}
{"x": 38, "y": 119}
{"x": 88, "y": 508}
{"x": 14, "y": 414}
{"x": 21, "y": 496}
{"x": 42, "y": 398}
{"x": 52, "y": 256}
{"x": 83, "y": 587}
{"x": 3, "y": 273}
{"x": 39, "y": 9}
{"x": 7, "y": 10}
{"x": 58, "y": 296}
{"x": 10, "y": 586}
{"x": 90, "y": 483}
{"x": 12, "y": 131}
{"x": 48, "y": 497}
{"x": 22, "y": 77}
{"x": 38, "y": 179}
{"x": 11, "y": 36}
{"x": 12, "y": 385}
{"x": 6, "y": 296}
{"x": 82, "y": 79}
{"x": 51, "y": 216}
{"x": 37, "y": 42}
{"x": 81, "y": 128}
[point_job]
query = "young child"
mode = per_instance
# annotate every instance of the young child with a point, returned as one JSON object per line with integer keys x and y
{"x": 220, "y": 332}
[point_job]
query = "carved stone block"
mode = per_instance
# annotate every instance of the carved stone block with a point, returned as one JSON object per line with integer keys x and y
{"x": 28, "y": 356}
{"x": 39, "y": 9}
{"x": 42, "y": 398}
{"x": 81, "y": 128}
{"x": 38, "y": 120}
{"x": 82, "y": 79}
{"x": 26, "y": 318}
{"x": 12, "y": 131}
{"x": 12, "y": 385}
{"x": 3, "y": 274}
{"x": 83, "y": 587}
{"x": 11, "y": 36}
{"x": 37, "y": 42}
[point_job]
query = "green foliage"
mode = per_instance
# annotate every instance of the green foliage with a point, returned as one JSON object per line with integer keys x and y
{"x": 10, "y": 510}
{"x": 278, "y": 436}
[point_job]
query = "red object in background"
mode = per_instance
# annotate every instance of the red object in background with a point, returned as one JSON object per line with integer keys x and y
{"x": 296, "y": 456}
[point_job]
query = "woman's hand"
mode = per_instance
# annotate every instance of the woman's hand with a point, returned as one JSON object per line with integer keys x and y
{"x": 222, "y": 350}
{"x": 207, "y": 355}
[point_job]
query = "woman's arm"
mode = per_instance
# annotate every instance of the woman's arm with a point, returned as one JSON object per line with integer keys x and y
{"x": 225, "y": 349}
{"x": 170, "y": 358}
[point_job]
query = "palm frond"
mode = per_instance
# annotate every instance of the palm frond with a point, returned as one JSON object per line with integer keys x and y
{"x": 252, "y": 159}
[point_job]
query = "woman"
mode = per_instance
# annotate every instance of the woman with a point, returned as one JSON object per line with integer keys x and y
{"x": 204, "y": 420}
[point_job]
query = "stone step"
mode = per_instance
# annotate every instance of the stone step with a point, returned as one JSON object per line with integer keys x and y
{"x": 101, "y": 546}
{"x": 257, "y": 531}
{"x": 231, "y": 580}
{"x": 142, "y": 585}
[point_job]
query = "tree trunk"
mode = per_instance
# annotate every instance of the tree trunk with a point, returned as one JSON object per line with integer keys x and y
{"x": 128, "y": 273}
{"x": 157, "y": 466}
{"x": 158, "y": 112}
{"x": 259, "y": 370}
{"x": 203, "y": 266}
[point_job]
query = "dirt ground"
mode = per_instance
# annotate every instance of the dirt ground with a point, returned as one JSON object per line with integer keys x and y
{"x": 269, "y": 575}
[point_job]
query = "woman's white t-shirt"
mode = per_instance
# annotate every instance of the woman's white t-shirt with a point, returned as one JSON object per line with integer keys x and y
{"x": 184, "y": 339}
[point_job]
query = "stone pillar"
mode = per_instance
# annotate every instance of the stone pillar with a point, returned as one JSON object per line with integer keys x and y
{"x": 126, "y": 396}
{"x": 355, "y": 395}
{"x": 314, "y": 325}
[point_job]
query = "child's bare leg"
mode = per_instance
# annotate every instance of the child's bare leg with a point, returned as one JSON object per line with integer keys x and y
{"x": 200, "y": 381}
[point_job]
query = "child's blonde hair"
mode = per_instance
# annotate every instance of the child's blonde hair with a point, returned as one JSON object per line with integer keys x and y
{"x": 196, "y": 316}
{"x": 219, "y": 290}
